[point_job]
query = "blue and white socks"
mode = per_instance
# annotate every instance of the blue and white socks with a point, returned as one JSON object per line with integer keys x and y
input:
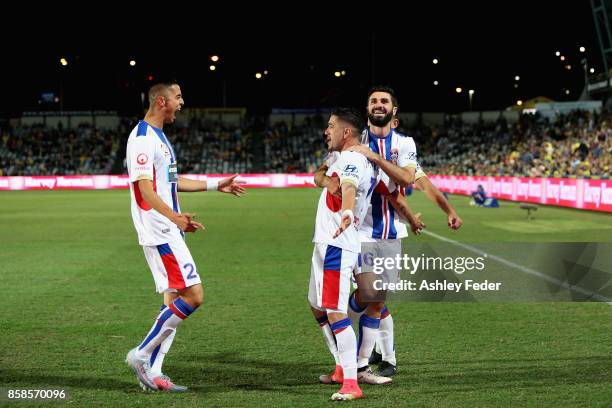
{"x": 385, "y": 337}
{"x": 167, "y": 321}
{"x": 368, "y": 333}
{"x": 330, "y": 339}
{"x": 347, "y": 347}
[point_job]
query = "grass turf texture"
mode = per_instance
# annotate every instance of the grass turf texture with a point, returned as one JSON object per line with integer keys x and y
{"x": 77, "y": 295}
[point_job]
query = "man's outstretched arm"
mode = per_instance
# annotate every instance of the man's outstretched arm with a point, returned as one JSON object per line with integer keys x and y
{"x": 435, "y": 195}
{"x": 228, "y": 185}
{"x": 399, "y": 203}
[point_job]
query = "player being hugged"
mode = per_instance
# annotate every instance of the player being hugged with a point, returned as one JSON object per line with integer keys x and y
{"x": 337, "y": 246}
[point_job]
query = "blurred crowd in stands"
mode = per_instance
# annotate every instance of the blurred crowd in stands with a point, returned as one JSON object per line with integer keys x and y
{"x": 295, "y": 149}
{"x": 211, "y": 147}
{"x": 40, "y": 150}
{"x": 578, "y": 144}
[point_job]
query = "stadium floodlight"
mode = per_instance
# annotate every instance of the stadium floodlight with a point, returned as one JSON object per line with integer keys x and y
{"x": 517, "y": 78}
{"x": 562, "y": 58}
{"x": 266, "y": 72}
{"x": 435, "y": 61}
{"x": 435, "y": 83}
{"x": 337, "y": 74}
{"x": 567, "y": 91}
{"x": 212, "y": 67}
{"x": 519, "y": 102}
{"x": 343, "y": 72}
{"x": 471, "y": 95}
{"x": 132, "y": 63}
{"x": 582, "y": 49}
{"x": 258, "y": 75}
{"x": 458, "y": 90}
{"x": 558, "y": 54}
{"x": 63, "y": 61}
{"x": 568, "y": 67}
{"x": 592, "y": 70}
{"x": 214, "y": 58}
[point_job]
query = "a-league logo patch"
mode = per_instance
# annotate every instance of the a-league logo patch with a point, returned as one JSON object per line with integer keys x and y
{"x": 142, "y": 159}
{"x": 394, "y": 155}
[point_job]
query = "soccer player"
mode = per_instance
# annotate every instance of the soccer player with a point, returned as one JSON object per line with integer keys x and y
{"x": 337, "y": 246}
{"x": 395, "y": 155}
{"x": 386, "y": 360}
{"x": 154, "y": 183}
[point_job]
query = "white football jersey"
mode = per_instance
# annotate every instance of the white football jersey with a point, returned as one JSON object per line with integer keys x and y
{"x": 354, "y": 168}
{"x": 150, "y": 156}
{"x": 382, "y": 222}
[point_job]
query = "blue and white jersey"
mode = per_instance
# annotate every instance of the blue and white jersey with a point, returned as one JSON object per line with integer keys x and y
{"x": 150, "y": 156}
{"x": 354, "y": 168}
{"x": 381, "y": 221}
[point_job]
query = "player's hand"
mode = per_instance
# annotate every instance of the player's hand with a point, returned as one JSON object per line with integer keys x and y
{"x": 417, "y": 225}
{"x": 232, "y": 186}
{"x": 186, "y": 223}
{"x": 333, "y": 186}
{"x": 454, "y": 221}
{"x": 193, "y": 225}
{"x": 344, "y": 224}
{"x": 365, "y": 150}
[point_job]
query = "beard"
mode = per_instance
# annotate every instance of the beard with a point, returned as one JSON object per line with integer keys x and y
{"x": 380, "y": 122}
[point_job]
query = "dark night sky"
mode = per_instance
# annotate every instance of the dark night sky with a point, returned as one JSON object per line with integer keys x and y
{"x": 480, "y": 47}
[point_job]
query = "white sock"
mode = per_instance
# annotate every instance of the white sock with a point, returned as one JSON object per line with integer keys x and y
{"x": 157, "y": 358}
{"x": 330, "y": 339}
{"x": 167, "y": 321}
{"x": 385, "y": 337}
{"x": 368, "y": 333}
{"x": 347, "y": 347}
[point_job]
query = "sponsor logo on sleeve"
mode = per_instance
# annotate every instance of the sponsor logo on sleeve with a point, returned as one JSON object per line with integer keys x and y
{"x": 142, "y": 159}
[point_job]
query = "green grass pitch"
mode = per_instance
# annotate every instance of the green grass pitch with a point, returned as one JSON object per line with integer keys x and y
{"x": 77, "y": 295}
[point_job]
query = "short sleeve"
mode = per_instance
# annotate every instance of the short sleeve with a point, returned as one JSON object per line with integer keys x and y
{"x": 352, "y": 168}
{"x": 140, "y": 160}
{"x": 408, "y": 154}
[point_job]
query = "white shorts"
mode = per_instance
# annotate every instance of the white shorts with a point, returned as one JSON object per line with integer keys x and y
{"x": 172, "y": 266}
{"x": 380, "y": 248}
{"x": 330, "y": 278}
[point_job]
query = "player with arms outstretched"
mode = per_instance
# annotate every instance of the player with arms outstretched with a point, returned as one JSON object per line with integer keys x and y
{"x": 154, "y": 183}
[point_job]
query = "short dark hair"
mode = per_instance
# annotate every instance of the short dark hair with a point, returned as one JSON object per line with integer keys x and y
{"x": 351, "y": 116}
{"x": 160, "y": 87}
{"x": 383, "y": 88}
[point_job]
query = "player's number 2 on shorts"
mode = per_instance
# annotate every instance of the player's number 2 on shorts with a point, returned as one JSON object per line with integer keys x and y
{"x": 192, "y": 274}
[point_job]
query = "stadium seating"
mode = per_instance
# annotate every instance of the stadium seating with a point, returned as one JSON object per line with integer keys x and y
{"x": 577, "y": 145}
